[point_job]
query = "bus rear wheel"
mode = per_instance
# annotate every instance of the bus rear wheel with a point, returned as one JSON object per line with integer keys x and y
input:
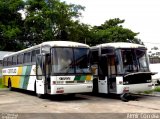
{"x": 10, "y": 85}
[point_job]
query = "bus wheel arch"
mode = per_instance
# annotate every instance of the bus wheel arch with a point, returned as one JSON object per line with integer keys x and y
{"x": 10, "y": 84}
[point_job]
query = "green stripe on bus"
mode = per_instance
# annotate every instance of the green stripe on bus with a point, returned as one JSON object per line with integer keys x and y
{"x": 83, "y": 78}
{"x": 22, "y": 76}
{"x": 27, "y": 75}
{"x": 77, "y": 78}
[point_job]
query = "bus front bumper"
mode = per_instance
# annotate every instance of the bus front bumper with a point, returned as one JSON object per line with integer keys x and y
{"x": 75, "y": 88}
{"x": 134, "y": 88}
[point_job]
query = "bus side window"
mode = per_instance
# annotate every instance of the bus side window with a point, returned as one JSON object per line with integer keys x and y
{"x": 94, "y": 62}
{"x": 33, "y": 57}
{"x": 37, "y": 51}
{"x": 27, "y": 57}
{"x": 20, "y": 58}
{"x": 14, "y": 60}
{"x": 111, "y": 65}
{"x": 34, "y": 53}
{"x": 5, "y": 62}
{"x": 9, "y": 59}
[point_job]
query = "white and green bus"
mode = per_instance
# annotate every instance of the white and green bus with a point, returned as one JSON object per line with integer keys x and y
{"x": 120, "y": 68}
{"x": 54, "y": 67}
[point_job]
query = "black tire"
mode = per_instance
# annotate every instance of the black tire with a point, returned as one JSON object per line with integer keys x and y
{"x": 35, "y": 88}
{"x": 42, "y": 96}
{"x": 124, "y": 97}
{"x": 10, "y": 85}
{"x": 71, "y": 95}
{"x": 158, "y": 82}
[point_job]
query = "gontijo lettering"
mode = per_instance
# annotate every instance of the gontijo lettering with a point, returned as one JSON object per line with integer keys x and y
{"x": 12, "y": 71}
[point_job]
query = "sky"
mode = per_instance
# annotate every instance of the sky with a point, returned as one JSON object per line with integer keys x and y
{"x": 141, "y": 16}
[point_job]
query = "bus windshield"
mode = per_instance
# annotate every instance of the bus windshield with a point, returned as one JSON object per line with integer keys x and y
{"x": 134, "y": 60}
{"x": 70, "y": 60}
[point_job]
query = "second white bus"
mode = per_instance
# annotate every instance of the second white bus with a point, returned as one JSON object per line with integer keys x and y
{"x": 120, "y": 68}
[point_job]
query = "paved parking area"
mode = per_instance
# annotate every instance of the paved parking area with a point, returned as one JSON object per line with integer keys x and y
{"x": 25, "y": 102}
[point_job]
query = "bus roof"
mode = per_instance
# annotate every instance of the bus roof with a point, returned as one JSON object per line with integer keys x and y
{"x": 64, "y": 44}
{"x": 52, "y": 44}
{"x": 120, "y": 45}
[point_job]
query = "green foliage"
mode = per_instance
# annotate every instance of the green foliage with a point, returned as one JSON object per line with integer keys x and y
{"x": 1, "y": 84}
{"x": 148, "y": 92}
{"x": 48, "y": 20}
{"x": 113, "y": 31}
{"x": 157, "y": 89}
{"x": 51, "y": 20}
{"x": 10, "y": 24}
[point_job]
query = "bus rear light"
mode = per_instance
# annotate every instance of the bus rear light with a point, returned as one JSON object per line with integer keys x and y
{"x": 60, "y": 91}
{"x": 148, "y": 81}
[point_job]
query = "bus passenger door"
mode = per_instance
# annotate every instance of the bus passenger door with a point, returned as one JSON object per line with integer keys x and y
{"x": 47, "y": 70}
{"x": 103, "y": 71}
{"x": 40, "y": 74}
{"x": 112, "y": 86}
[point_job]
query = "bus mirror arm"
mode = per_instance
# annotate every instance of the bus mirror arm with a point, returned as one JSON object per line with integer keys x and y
{"x": 153, "y": 73}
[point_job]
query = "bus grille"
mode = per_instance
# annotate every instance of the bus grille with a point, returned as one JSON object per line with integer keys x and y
{"x": 75, "y": 81}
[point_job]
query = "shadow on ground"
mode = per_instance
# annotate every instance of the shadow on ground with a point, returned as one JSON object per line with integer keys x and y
{"x": 63, "y": 97}
{"x": 82, "y": 96}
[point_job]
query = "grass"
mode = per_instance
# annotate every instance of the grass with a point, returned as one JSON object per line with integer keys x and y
{"x": 1, "y": 85}
{"x": 148, "y": 91}
{"x": 157, "y": 89}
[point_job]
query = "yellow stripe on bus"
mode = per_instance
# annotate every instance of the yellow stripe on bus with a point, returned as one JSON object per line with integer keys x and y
{"x": 16, "y": 79}
{"x": 88, "y": 77}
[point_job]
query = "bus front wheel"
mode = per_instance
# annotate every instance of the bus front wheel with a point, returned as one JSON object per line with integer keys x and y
{"x": 124, "y": 97}
{"x": 40, "y": 96}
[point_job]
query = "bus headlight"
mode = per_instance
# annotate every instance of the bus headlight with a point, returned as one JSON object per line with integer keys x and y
{"x": 126, "y": 82}
{"x": 88, "y": 81}
{"x": 57, "y": 82}
{"x": 148, "y": 81}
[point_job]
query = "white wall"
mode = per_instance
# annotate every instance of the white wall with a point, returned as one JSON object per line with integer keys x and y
{"x": 155, "y": 68}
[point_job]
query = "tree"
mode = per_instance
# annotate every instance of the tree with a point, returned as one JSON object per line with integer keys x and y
{"x": 113, "y": 31}
{"x": 11, "y": 24}
{"x": 49, "y": 20}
